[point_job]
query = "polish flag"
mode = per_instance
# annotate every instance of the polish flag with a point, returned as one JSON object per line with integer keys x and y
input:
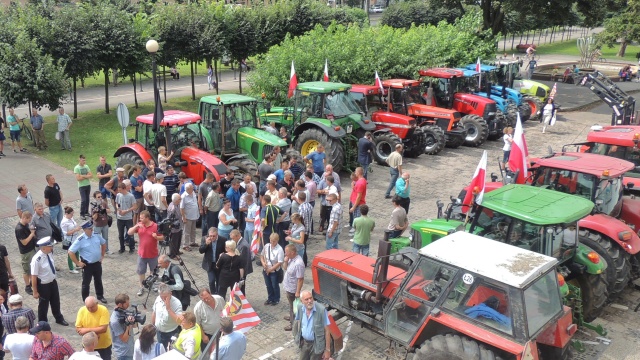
{"x": 519, "y": 152}
{"x": 240, "y": 311}
{"x": 325, "y": 76}
{"x": 293, "y": 81}
{"x": 378, "y": 83}
{"x": 477, "y": 184}
{"x": 553, "y": 92}
{"x": 257, "y": 233}
{"x": 478, "y": 68}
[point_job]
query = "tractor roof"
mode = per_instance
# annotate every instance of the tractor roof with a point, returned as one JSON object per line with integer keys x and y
{"x": 615, "y": 135}
{"x": 492, "y": 259}
{"x": 400, "y": 83}
{"x": 593, "y": 164}
{"x": 442, "y": 73}
{"x": 537, "y": 205}
{"x": 227, "y": 99}
{"x": 483, "y": 67}
{"x": 323, "y": 86}
{"x": 365, "y": 89}
{"x": 171, "y": 118}
{"x": 468, "y": 72}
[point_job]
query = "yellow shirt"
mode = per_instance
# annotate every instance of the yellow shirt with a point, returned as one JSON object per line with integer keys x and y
{"x": 87, "y": 319}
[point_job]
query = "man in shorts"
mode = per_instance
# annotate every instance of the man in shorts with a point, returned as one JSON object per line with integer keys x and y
{"x": 26, "y": 237}
{"x": 148, "y": 238}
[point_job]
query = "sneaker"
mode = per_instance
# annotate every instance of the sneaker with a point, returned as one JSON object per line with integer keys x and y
{"x": 351, "y": 240}
{"x": 74, "y": 271}
{"x": 268, "y": 302}
{"x": 131, "y": 251}
{"x": 287, "y": 328}
{"x": 387, "y": 196}
{"x": 23, "y": 150}
{"x": 28, "y": 290}
{"x": 109, "y": 252}
{"x": 346, "y": 226}
{"x": 2, "y": 154}
{"x": 141, "y": 291}
{"x": 121, "y": 251}
{"x": 287, "y": 318}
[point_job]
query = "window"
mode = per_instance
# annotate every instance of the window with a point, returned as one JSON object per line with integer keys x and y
{"x": 481, "y": 302}
{"x": 542, "y": 302}
{"x": 568, "y": 182}
{"x": 340, "y": 105}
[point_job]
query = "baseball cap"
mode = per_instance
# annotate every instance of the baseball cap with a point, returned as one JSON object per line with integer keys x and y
{"x": 41, "y": 326}
{"x": 15, "y": 299}
{"x": 120, "y": 169}
{"x": 159, "y": 176}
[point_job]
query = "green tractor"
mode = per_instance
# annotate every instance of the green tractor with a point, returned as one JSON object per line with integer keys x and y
{"x": 231, "y": 131}
{"x": 534, "y": 93}
{"x": 323, "y": 113}
{"x": 535, "y": 219}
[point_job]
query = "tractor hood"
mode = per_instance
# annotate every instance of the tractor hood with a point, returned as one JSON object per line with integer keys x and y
{"x": 355, "y": 120}
{"x": 469, "y": 98}
{"x": 511, "y": 93}
{"x": 260, "y": 136}
{"x": 502, "y": 103}
{"x": 419, "y": 110}
{"x": 385, "y": 119}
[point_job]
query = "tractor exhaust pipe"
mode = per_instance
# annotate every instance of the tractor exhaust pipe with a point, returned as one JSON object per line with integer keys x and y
{"x": 384, "y": 250}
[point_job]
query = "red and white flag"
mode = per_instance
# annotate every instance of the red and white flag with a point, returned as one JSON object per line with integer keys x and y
{"x": 378, "y": 83}
{"x": 477, "y": 183}
{"x": 257, "y": 233}
{"x": 240, "y": 311}
{"x": 325, "y": 76}
{"x": 518, "y": 158}
{"x": 293, "y": 81}
{"x": 553, "y": 92}
{"x": 478, "y": 69}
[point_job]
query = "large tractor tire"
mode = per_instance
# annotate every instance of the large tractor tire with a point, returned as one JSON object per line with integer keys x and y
{"x": 385, "y": 144}
{"x": 293, "y": 153}
{"x": 594, "y": 294}
{"x": 416, "y": 147}
{"x": 477, "y": 130}
{"x": 435, "y": 139}
{"x": 524, "y": 108}
{"x": 536, "y": 106}
{"x": 512, "y": 113}
{"x": 128, "y": 160}
{"x": 453, "y": 347}
{"x": 245, "y": 166}
{"x": 455, "y": 142}
{"x": 308, "y": 141}
{"x": 618, "y": 261}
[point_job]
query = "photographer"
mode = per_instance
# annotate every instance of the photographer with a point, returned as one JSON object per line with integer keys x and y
{"x": 121, "y": 326}
{"x": 171, "y": 275}
{"x": 99, "y": 214}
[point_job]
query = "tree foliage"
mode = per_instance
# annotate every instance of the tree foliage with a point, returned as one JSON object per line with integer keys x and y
{"x": 427, "y": 12}
{"x": 354, "y": 53}
{"x": 623, "y": 28}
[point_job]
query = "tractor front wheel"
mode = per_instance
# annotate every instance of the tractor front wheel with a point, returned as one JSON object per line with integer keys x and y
{"x": 453, "y": 347}
{"x": 385, "y": 144}
{"x": 594, "y": 294}
{"x": 477, "y": 130}
{"x": 536, "y": 106}
{"x": 512, "y": 114}
{"x": 244, "y": 167}
{"x": 128, "y": 160}
{"x": 618, "y": 261}
{"x": 435, "y": 139}
{"x": 308, "y": 141}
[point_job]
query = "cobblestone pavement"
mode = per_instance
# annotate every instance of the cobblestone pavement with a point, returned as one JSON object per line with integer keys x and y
{"x": 435, "y": 177}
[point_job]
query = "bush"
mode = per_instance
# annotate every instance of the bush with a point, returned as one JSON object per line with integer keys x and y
{"x": 404, "y": 14}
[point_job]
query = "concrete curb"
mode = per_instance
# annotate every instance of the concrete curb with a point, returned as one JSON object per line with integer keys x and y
{"x": 590, "y": 105}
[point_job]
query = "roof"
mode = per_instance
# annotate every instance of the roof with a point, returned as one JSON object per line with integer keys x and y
{"x": 445, "y": 73}
{"x": 483, "y": 67}
{"x": 399, "y": 83}
{"x": 593, "y": 164}
{"x": 171, "y": 118}
{"x": 469, "y": 72}
{"x": 322, "y": 86}
{"x": 227, "y": 99}
{"x": 614, "y": 135}
{"x": 503, "y": 263}
{"x": 537, "y": 205}
{"x": 365, "y": 89}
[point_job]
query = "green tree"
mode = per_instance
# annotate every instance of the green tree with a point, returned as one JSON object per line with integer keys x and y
{"x": 240, "y": 36}
{"x": 403, "y": 14}
{"x": 623, "y": 27}
{"x": 29, "y": 75}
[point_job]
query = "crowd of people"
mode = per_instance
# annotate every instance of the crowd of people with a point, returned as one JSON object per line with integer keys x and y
{"x": 162, "y": 207}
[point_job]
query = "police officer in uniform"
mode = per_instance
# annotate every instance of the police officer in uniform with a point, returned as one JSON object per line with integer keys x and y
{"x": 43, "y": 279}
{"x": 172, "y": 276}
{"x": 92, "y": 248}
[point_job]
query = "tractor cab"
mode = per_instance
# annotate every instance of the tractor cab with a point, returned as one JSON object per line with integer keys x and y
{"x": 179, "y": 132}
{"x": 593, "y": 177}
{"x": 369, "y": 98}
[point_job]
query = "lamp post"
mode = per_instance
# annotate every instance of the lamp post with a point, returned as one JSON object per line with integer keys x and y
{"x": 152, "y": 47}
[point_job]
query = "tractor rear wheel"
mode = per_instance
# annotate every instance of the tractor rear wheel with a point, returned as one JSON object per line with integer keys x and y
{"x": 618, "y": 261}
{"x": 435, "y": 139}
{"x": 128, "y": 160}
{"x": 594, "y": 294}
{"x": 245, "y": 166}
{"x": 477, "y": 130}
{"x": 536, "y": 106}
{"x": 385, "y": 144}
{"x": 308, "y": 141}
{"x": 453, "y": 347}
{"x": 512, "y": 113}
{"x": 293, "y": 153}
{"x": 524, "y": 108}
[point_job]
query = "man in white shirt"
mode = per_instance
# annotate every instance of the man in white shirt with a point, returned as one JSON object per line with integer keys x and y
{"x": 208, "y": 311}
{"x": 146, "y": 193}
{"x": 167, "y": 314}
{"x": 20, "y": 344}
{"x": 89, "y": 343}
{"x": 159, "y": 196}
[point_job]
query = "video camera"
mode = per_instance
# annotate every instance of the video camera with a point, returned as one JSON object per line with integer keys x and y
{"x": 151, "y": 279}
{"x": 124, "y": 316}
{"x": 165, "y": 226}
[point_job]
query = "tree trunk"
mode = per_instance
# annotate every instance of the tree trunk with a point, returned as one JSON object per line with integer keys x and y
{"x": 75, "y": 99}
{"x": 240, "y": 76}
{"x": 513, "y": 40}
{"x": 215, "y": 71}
{"x": 135, "y": 94}
{"x": 164, "y": 82}
{"x": 193, "y": 83}
{"x": 623, "y": 47}
{"x": 106, "y": 90}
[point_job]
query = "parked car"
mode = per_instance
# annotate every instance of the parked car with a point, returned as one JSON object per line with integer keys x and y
{"x": 377, "y": 9}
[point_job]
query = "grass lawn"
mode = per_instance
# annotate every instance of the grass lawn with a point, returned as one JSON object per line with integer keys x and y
{"x": 95, "y": 133}
{"x": 570, "y": 48}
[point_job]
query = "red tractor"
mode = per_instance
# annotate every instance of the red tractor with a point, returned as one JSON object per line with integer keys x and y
{"x": 179, "y": 132}
{"x": 391, "y": 128}
{"x": 478, "y": 112}
{"x": 464, "y": 297}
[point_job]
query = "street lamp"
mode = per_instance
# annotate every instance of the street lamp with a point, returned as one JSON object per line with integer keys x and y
{"x": 152, "y": 47}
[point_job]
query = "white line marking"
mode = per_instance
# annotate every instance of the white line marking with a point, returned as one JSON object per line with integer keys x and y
{"x": 345, "y": 340}
{"x": 275, "y": 351}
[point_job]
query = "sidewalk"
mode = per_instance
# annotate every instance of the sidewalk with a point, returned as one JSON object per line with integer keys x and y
{"x": 544, "y": 39}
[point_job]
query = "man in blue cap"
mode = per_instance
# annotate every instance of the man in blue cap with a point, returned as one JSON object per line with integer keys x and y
{"x": 92, "y": 248}
{"x": 43, "y": 280}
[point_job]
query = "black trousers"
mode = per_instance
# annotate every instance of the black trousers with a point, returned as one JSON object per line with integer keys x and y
{"x": 105, "y": 353}
{"x": 85, "y": 194}
{"x": 404, "y": 202}
{"x": 123, "y": 227}
{"x": 49, "y": 294}
{"x": 92, "y": 271}
{"x": 152, "y": 210}
{"x": 174, "y": 243}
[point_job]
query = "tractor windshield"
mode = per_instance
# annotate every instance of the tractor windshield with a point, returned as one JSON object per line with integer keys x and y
{"x": 239, "y": 115}
{"x": 414, "y": 96}
{"x": 340, "y": 105}
{"x": 542, "y": 302}
{"x": 367, "y": 104}
{"x": 608, "y": 195}
{"x": 629, "y": 153}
